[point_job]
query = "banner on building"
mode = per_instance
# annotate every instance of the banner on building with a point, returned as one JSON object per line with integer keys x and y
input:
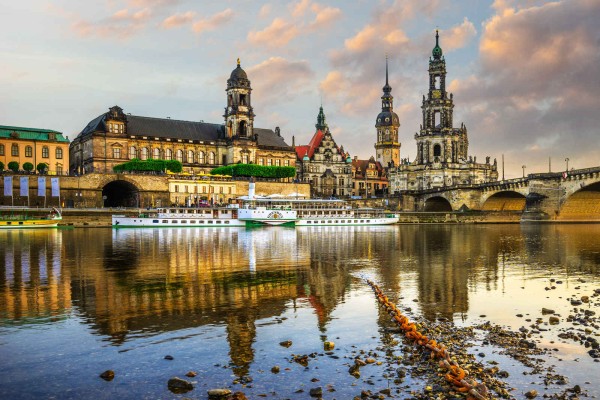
{"x": 55, "y": 187}
{"x": 8, "y": 186}
{"x": 41, "y": 187}
{"x": 24, "y": 186}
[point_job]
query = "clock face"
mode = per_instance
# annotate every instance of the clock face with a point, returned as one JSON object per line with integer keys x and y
{"x": 436, "y": 94}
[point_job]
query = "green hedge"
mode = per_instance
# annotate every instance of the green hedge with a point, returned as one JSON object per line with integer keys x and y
{"x": 13, "y": 166}
{"x": 149, "y": 165}
{"x": 261, "y": 171}
{"x": 28, "y": 167}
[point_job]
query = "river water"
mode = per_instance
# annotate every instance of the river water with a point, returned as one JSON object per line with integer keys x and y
{"x": 77, "y": 302}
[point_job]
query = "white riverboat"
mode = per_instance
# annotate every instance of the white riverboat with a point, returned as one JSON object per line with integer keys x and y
{"x": 15, "y": 218}
{"x": 311, "y": 212}
{"x": 173, "y": 217}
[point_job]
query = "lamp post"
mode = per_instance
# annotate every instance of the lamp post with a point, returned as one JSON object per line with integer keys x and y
{"x": 567, "y": 161}
{"x": 524, "y": 166}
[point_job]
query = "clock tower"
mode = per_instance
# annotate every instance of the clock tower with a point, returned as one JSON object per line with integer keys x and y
{"x": 387, "y": 146}
{"x": 437, "y": 141}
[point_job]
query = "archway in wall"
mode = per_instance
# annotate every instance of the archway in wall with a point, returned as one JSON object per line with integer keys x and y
{"x": 437, "y": 204}
{"x": 505, "y": 201}
{"x": 120, "y": 194}
{"x": 583, "y": 205}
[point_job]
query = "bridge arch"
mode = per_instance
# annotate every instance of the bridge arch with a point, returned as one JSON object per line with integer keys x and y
{"x": 507, "y": 200}
{"x": 437, "y": 204}
{"x": 120, "y": 193}
{"x": 584, "y": 204}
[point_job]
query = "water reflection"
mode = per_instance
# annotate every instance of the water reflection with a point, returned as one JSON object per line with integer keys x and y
{"x": 142, "y": 282}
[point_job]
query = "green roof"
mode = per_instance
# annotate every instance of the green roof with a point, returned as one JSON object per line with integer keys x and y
{"x": 30, "y": 133}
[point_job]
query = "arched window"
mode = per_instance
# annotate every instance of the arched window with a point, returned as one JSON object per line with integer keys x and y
{"x": 180, "y": 155}
{"x": 14, "y": 150}
{"x": 201, "y": 159}
{"x": 1, "y": 149}
{"x": 156, "y": 154}
{"x": 144, "y": 153}
{"x": 168, "y": 154}
{"x": 242, "y": 132}
{"x": 245, "y": 158}
{"x": 45, "y": 152}
{"x": 132, "y": 152}
{"x": 190, "y": 156}
{"x": 59, "y": 153}
{"x": 437, "y": 150}
{"x": 211, "y": 158}
{"x": 28, "y": 151}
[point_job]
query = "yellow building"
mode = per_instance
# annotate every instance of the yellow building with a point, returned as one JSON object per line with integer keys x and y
{"x": 116, "y": 137}
{"x": 201, "y": 190}
{"x": 34, "y": 146}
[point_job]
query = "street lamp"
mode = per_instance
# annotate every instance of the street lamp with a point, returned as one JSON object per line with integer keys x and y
{"x": 524, "y": 166}
{"x": 567, "y": 161}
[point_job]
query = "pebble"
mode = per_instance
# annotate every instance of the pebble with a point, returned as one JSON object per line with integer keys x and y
{"x": 328, "y": 346}
{"x": 108, "y": 375}
{"x": 167, "y": 357}
{"x": 531, "y": 394}
{"x": 316, "y": 392}
{"x": 275, "y": 369}
{"x": 191, "y": 374}
{"x": 218, "y": 393}
{"x": 178, "y": 385}
{"x": 286, "y": 343}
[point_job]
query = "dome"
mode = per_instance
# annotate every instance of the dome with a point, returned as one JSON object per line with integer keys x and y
{"x": 348, "y": 160}
{"x": 238, "y": 77}
{"x": 305, "y": 158}
{"x": 437, "y": 50}
{"x": 387, "y": 118}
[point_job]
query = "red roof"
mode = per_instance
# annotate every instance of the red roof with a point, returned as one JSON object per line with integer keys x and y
{"x": 309, "y": 150}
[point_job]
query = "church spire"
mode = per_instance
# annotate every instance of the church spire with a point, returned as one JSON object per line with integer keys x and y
{"x": 387, "y": 89}
{"x": 437, "y": 50}
{"x": 321, "y": 123}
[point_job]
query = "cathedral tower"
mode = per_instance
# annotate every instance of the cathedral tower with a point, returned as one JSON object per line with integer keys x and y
{"x": 239, "y": 116}
{"x": 437, "y": 141}
{"x": 387, "y": 146}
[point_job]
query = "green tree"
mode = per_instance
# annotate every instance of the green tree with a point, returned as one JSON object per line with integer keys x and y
{"x": 28, "y": 167}
{"x": 262, "y": 171}
{"x": 42, "y": 167}
{"x": 13, "y": 166}
{"x": 1, "y": 166}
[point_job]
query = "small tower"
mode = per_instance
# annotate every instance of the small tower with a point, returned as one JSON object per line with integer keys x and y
{"x": 387, "y": 146}
{"x": 437, "y": 140}
{"x": 321, "y": 124}
{"x": 239, "y": 115}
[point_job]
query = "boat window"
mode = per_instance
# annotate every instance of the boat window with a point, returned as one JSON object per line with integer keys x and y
{"x": 165, "y": 222}
{"x": 174, "y": 221}
{"x": 155, "y": 221}
{"x": 362, "y": 220}
{"x": 218, "y": 222}
{"x": 226, "y": 222}
{"x": 183, "y": 221}
{"x": 201, "y": 222}
{"x": 20, "y": 222}
{"x": 308, "y": 222}
{"x": 210, "y": 222}
{"x": 336, "y": 221}
{"x": 9, "y": 223}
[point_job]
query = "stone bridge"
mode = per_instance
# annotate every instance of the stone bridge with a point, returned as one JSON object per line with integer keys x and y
{"x": 555, "y": 196}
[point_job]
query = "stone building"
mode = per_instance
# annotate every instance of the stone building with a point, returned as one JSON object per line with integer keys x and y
{"x": 442, "y": 150}
{"x": 115, "y": 137}
{"x": 35, "y": 146}
{"x": 369, "y": 178}
{"x": 324, "y": 164}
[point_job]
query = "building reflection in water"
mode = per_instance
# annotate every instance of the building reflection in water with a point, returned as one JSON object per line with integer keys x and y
{"x": 151, "y": 281}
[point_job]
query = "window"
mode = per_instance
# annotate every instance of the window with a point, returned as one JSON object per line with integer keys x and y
{"x": 168, "y": 154}
{"x": 14, "y": 150}
{"x": 1, "y": 149}
{"x": 45, "y": 152}
{"x": 190, "y": 156}
{"x": 116, "y": 152}
{"x": 269, "y": 162}
{"x": 211, "y": 158}
{"x": 156, "y": 154}
{"x": 59, "y": 169}
{"x": 201, "y": 159}
{"x": 132, "y": 152}
{"x": 286, "y": 163}
{"x": 176, "y": 188}
{"x": 437, "y": 150}
{"x": 261, "y": 161}
{"x": 59, "y": 153}
{"x": 180, "y": 155}
{"x": 28, "y": 151}
{"x": 245, "y": 158}
{"x": 277, "y": 163}
{"x": 144, "y": 153}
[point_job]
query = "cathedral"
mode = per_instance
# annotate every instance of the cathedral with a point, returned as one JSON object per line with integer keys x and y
{"x": 116, "y": 137}
{"x": 324, "y": 164}
{"x": 442, "y": 150}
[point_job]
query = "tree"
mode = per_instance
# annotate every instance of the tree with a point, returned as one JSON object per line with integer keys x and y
{"x": 42, "y": 167}
{"x": 1, "y": 166}
{"x": 28, "y": 167}
{"x": 263, "y": 171}
{"x": 13, "y": 166}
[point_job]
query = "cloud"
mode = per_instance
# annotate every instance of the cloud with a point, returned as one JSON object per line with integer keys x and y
{"x": 277, "y": 80}
{"x": 122, "y": 24}
{"x": 178, "y": 20}
{"x": 535, "y": 92}
{"x": 278, "y": 34}
{"x": 459, "y": 36}
{"x": 265, "y": 10}
{"x": 153, "y": 3}
{"x": 212, "y": 22}
{"x": 282, "y": 30}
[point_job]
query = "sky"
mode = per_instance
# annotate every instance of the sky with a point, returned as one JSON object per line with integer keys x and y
{"x": 525, "y": 74}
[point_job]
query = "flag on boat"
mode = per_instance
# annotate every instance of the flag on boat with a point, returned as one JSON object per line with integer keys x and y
{"x": 24, "y": 187}
{"x": 8, "y": 186}
{"x": 55, "y": 188}
{"x": 41, "y": 187}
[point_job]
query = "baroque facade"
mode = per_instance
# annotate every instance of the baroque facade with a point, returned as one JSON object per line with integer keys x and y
{"x": 324, "y": 164}
{"x": 442, "y": 150}
{"x": 35, "y": 146}
{"x": 369, "y": 178}
{"x": 115, "y": 137}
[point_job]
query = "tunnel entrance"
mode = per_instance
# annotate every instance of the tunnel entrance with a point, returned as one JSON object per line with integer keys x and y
{"x": 437, "y": 204}
{"x": 120, "y": 194}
